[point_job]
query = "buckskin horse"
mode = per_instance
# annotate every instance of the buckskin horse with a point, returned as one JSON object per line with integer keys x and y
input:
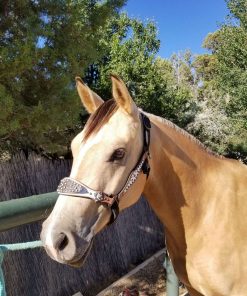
{"x": 201, "y": 198}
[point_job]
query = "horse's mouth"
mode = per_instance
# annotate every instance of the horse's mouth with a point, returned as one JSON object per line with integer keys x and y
{"x": 79, "y": 260}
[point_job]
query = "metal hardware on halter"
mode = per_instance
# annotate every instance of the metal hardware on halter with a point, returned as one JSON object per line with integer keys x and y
{"x": 71, "y": 187}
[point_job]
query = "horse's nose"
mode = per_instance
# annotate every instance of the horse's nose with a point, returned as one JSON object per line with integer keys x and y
{"x": 62, "y": 242}
{"x": 62, "y": 246}
{"x": 65, "y": 245}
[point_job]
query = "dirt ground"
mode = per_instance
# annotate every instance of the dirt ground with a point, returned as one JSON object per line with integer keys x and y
{"x": 148, "y": 279}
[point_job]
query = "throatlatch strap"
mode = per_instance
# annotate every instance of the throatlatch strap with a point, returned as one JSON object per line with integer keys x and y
{"x": 114, "y": 212}
{"x": 146, "y": 168}
{"x": 146, "y": 132}
{"x": 146, "y": 143}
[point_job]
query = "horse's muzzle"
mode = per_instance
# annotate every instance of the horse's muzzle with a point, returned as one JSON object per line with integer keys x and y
{"x": 65, "y": 247}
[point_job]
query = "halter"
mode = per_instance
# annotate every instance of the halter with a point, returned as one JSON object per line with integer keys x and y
{"x": 72, "y": 187}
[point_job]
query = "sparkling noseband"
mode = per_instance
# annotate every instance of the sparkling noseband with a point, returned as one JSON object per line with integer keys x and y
{"x": 69, "y": 186}
{"x": 72, "y": 187}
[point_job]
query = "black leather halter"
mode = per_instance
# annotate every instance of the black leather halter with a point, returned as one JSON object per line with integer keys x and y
{"x": 69, "y": 186}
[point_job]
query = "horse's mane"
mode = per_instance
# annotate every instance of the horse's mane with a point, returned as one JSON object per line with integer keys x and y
{"x": 99, "y": 117}
{"x": 184, "y": 133}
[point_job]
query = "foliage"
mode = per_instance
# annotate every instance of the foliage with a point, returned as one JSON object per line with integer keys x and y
{"x": 225, "y": 71}
{"x": 53, "y": 41}
{"x": 238, "y": 9}
{"x": 130, "y": 48}
{"x": 211, "y": 125}
{"x": 44, "y": 45}
{"x": 205, "y": 67}
{"x": 230, "y": 50}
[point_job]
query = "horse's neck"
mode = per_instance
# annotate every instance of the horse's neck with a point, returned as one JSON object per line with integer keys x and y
{"x": 178, "y": 167}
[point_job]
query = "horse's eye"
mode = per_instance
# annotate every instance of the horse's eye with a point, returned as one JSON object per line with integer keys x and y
{"x": 118, "y": 154}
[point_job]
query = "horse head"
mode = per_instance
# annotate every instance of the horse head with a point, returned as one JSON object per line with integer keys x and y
{"x": 110, "y": 160}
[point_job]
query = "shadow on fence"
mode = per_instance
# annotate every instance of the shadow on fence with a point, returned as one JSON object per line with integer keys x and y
{"x": 136, "y": 235}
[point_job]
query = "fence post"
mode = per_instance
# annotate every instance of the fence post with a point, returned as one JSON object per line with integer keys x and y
{"x": 2, "y": 282}
{"x": 172, "y": 282}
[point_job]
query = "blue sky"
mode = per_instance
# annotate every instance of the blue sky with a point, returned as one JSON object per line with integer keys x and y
{"x": 182, "y": 24}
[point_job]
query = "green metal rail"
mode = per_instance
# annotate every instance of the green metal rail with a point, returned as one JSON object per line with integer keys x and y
{"x": 13, "y": 247}
{"x": 25, "y": 210}
{"x": 30, "y": 209}
{"x": 22, "y": 211}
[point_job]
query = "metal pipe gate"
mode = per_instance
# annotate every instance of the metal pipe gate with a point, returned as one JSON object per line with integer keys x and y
{"x": 34, "y": 208}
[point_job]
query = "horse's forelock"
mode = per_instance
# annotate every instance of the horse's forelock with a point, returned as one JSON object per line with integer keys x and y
{"x": 99, "y": 118}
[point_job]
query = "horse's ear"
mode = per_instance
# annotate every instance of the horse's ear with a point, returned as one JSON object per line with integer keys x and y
{"x": 90, "y": 100}
{"x": 122, "y": 97}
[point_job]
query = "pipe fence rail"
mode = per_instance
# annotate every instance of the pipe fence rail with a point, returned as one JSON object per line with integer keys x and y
{"x": 13, "y": 247}
{"x": 34, "y": 208}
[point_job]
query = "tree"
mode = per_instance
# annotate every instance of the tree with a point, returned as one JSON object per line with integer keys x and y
{"x": 44, "y": 45}
{"x": 130, "y": 48}
{"x": 205, "y": 67}
{"x": 182, "y": 67}
{"x": 222, "y": 77}
{"x": 229, "y": 53}
{"x": 238, "y": 9}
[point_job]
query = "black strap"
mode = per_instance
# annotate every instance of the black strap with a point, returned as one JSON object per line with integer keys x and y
{"x": 146, "y": 142}
{"x": 114, "y": 212}
{"x": 145, "y": 167}
{"x": 146, "y": 132}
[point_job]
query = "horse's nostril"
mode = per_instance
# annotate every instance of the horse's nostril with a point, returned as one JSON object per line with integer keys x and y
{"x": 63, "y": 242}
